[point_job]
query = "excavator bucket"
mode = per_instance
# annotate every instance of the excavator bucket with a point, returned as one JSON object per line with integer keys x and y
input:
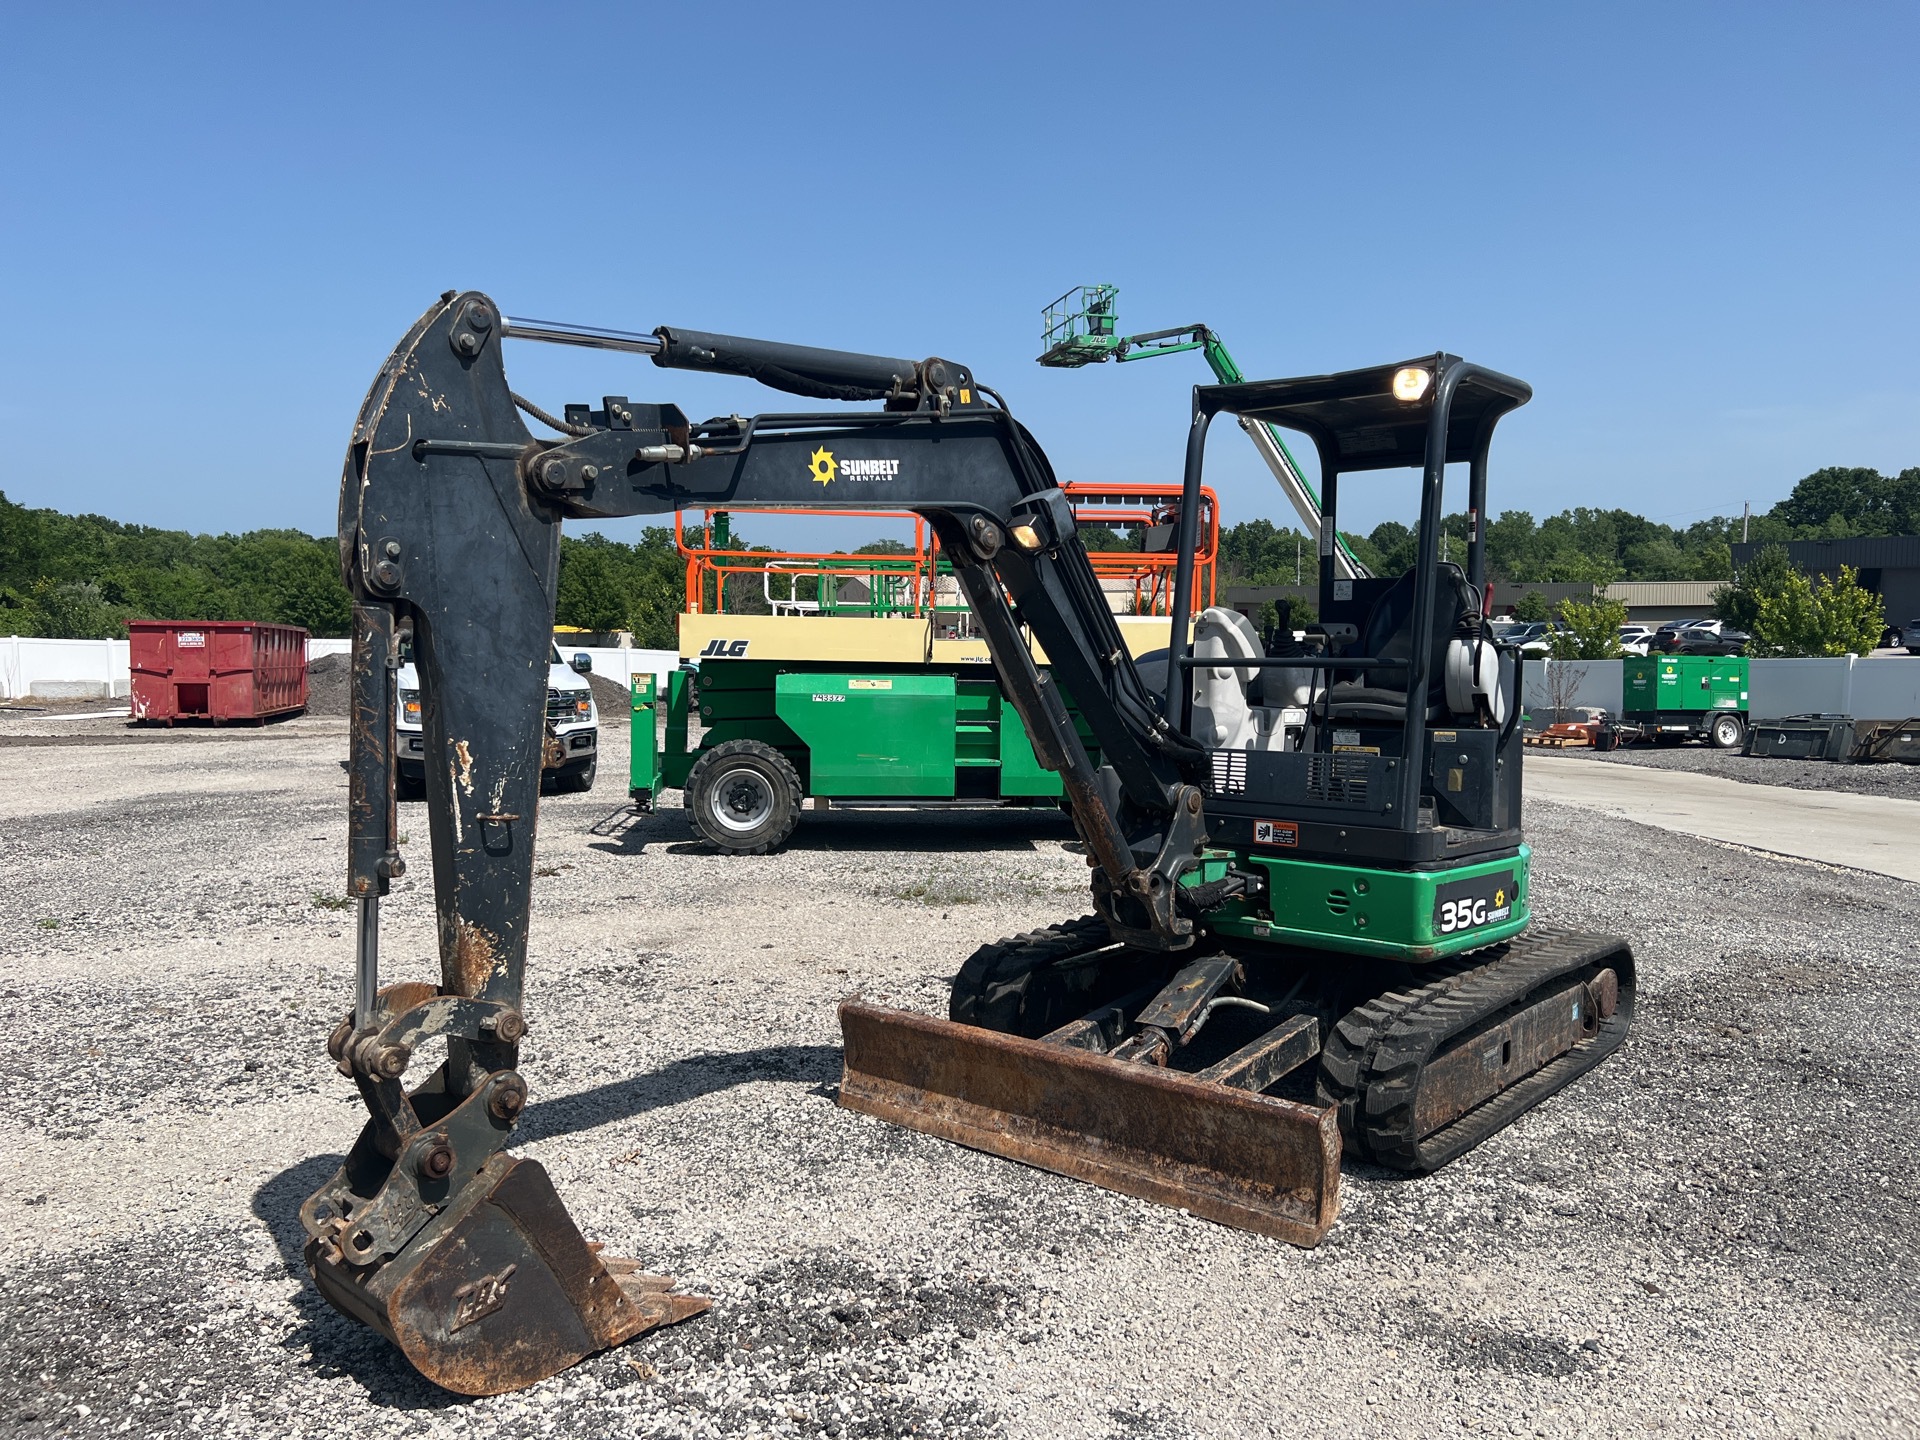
{"x": 499, "y": 1290}
{"x": 1242, "y": 1159}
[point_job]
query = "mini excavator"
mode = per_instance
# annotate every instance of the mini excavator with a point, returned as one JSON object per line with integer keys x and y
{"x": 1310, "y": 889}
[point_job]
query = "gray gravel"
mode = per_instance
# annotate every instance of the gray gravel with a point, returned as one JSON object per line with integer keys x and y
{"x": 330, "y": 685}
{"x": 1901, "y": 782}
{"x": 1715, "y": 1233}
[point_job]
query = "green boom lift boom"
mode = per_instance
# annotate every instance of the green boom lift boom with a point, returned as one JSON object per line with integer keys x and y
{"x": 1080, "y": 328}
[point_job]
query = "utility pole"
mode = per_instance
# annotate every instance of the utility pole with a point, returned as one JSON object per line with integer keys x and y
{"x": 1296, "y": 561}
{"x": 1746, "y": 514}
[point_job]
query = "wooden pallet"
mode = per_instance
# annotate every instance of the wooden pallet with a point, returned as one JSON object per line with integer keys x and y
{"x": 1564, "y": 737}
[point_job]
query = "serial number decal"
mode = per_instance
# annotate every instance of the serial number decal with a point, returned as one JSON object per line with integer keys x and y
{"x": 828, "y": 699}
{"x": 1468, "y": 904}
{"x": 1276, "y": 832}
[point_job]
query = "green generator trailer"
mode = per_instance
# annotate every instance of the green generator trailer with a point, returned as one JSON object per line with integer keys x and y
{"x": 1668, "y": 699}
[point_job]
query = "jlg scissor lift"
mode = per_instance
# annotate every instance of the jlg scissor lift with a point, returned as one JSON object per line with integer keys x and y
{"x": 867, "y": 680}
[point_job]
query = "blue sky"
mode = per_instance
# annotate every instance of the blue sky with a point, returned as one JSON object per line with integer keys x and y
{"x": 1692, "y": 228}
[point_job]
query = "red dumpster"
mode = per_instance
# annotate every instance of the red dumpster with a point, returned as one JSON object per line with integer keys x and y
{"x": 216, "y": 670}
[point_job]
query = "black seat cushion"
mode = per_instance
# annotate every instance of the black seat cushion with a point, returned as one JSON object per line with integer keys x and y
{"x": 1388, "y": 635}
{"x": 1373, "y": 702}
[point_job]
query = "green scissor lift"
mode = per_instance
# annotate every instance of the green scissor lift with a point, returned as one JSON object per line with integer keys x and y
{"x": 873, "y": 695}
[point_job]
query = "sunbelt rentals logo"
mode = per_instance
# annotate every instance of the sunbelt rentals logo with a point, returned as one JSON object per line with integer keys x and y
{"x": 825, "y": 469}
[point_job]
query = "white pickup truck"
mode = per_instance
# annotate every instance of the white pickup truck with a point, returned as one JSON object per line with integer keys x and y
{"x": 573, "y": 722}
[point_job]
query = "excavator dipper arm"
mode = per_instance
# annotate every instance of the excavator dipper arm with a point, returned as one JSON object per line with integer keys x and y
{"x": 450, "y": 514}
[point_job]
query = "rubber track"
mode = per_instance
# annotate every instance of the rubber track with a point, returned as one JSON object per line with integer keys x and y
{"x": 1375, "y": 1055}
{"x": 992, "y": 988}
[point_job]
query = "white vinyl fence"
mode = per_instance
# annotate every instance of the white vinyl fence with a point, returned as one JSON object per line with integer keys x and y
{"x": 99, "y": 669}
{"x": 63, "y": 669}
{"x": 1884, "y": 689}
{"x": 1880, "y": 689}
{"x": 620, "y": 666}
{"x": 1571, "y": 684}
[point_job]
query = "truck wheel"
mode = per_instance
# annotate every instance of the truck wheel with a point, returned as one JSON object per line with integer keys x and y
{"x": 1726, "y": 732}
{"x": 577, "y": 782}
{"x": 743, "y": 796}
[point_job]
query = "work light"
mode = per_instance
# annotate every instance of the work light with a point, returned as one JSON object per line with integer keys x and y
{"x": 1411, "y": 383}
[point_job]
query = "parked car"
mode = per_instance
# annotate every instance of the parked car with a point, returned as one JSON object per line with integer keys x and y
{"x": 1530, "y": 637}
{"x": 1634, "y": 639}
{"x": 1725, "y": 640}
{"x": 1667, "y": 638}
{"x": 1910, "y": 637}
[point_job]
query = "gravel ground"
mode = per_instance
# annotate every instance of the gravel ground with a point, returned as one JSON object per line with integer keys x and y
{"x": 1901, "y": 782}
{"x": 1715, "y": 1233}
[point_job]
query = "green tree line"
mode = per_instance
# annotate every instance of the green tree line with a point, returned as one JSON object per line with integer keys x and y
{"x": 85, "y": 576}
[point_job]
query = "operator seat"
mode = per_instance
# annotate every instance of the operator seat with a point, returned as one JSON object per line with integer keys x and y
{"x": 1459, "y": 668}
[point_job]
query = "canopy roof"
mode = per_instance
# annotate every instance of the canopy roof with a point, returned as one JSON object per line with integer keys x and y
{"x": 1358, "y": 425}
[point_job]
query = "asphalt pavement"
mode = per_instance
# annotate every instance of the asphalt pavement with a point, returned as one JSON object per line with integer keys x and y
{"x": 1863, "y": 832}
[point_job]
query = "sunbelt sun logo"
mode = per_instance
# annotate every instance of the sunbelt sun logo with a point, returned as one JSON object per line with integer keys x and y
{"x": 825, "y": 469}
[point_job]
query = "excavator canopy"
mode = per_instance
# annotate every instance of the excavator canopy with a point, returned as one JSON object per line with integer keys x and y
{"x": 1358, "y": 423}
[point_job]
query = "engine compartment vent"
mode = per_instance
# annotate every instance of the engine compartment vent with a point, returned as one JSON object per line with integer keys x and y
{"x": 1229, "y": 772}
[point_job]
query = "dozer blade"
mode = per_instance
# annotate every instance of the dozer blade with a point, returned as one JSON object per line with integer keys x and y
{"x": 1250, "y": 1161}
{"x": 500, "y": 1291}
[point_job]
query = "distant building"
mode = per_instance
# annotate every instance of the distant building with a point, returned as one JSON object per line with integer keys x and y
{"x": 1506, "y": 595}
{"x": 1252, "y": 600}
{"x": 1889, "y": 566}
{"x": 1648, "y": 602}
{"x": 1654, "y": 602}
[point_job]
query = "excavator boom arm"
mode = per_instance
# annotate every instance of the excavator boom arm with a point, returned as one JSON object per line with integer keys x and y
{"x": 450, "y": 518}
